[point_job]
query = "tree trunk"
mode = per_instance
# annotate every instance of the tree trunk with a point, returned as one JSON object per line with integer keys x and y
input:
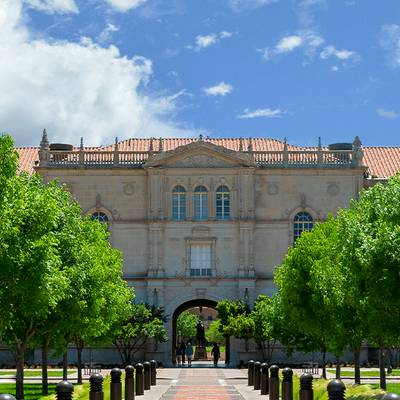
{"x": 65, "y": 365}
{"x": 19, "y": 384}
{"x": 357, "y": 372}
{"x": 324, "y": 363}
{"x": 45, "y": 380}
{"x": 382, "y": 372}
{"x": 79, "y": 349}
{"x": 337, "y": 367}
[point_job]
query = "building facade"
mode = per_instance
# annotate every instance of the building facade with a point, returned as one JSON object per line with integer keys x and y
{"x": 205, "y": 219}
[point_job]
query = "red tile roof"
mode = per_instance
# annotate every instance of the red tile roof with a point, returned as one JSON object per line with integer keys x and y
{"x": 27, "y": 158}
{"x": 382, "y": 162}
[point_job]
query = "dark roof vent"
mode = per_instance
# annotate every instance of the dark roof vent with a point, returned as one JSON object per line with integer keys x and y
{"x": 340, "y": 146}
{"x": 61, "y": 147}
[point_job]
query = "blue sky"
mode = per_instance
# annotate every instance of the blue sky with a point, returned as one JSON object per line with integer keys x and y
{"x": 262, "y": 68}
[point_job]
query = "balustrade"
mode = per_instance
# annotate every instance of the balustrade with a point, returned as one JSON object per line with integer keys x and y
{"x": 266, "y": 159}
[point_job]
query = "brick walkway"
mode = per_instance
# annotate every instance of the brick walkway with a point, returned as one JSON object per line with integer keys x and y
{"x": 202, "y": 384}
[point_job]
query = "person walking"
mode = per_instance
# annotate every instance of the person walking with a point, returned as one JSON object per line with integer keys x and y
{"x": 178, "y": 353}
{"x": 183, "y": 352}
{"x": 189, "y": 353}
{"x": 216, "y": 353}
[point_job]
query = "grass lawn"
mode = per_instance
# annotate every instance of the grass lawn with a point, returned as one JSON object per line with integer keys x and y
{"x": 38, "y": 372}
{"x": 350, "y": 374}
{"x": 353, "y": 392}
{"x": 33, "y": 391}
{"x": 391, "y": 387}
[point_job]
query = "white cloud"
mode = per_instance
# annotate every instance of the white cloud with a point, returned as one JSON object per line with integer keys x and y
{"x": 74, "y": 89}
{"x": 262, "y": 113}
{"x": 390, "y": 41}
{"x": 221, "y": 89}
{"x": 331, "y": 51}
{"x": 388, "y": 114}
{"x": 288, "y": 43}
{"x": 248, "y": 5}
{"x": 125, "y": 5}
{"x": 306, "y": 40}
{"x": 53, "y": 6}
{"x": 106, "y": 34}
{"x": 204, "y": 41}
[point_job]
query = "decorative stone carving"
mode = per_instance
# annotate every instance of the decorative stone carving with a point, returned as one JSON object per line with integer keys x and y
{"x": 128, "y": 189}
{"x": 200, "y": 231}
{"x": 201, "y": 293}
{"x": 200, "y": 154}
{"x": 333, "y": 189}
{"x": 201, "y": 161}
{"x": 272, "y": 189}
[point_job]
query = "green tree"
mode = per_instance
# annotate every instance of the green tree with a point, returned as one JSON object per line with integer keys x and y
{"x": 310, "y": 288}
{"x": 235, "y": 319}
{"x": 144, "y": 322}
{"x": 214, "y": 334}
{"x": 186, "y": 324}
{"x": 266, "y": 321}
{"x": 33, "y": 281}
{"x": 370, "y": 230}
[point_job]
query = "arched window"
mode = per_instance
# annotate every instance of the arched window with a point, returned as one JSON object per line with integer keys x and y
{"x": 200, "y": 203}
{"x": 100, "y": 216}
{"x": 223, "y": 206}
{"x": 303, "y": 221}
{"x": 179, "y": 203}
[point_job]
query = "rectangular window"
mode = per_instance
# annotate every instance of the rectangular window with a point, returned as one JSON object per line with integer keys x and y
{"x": 200, "y": 260}
{"x": 179, "y": 207}
{"x": 200, "y": 206}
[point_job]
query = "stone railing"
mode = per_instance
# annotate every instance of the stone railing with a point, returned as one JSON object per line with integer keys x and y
{"x": 305, "y": 158}
{"x": 265, "y": 159}
{"x": 350, "y": 155}
{"x": 96, "y": 158}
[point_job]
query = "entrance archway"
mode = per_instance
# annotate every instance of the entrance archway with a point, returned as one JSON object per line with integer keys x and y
{"x": 186, "y": 306}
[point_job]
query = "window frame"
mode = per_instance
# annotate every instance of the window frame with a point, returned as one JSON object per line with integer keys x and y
{"x": 301, "y": 225}
{"x": 200, "y": 203}
{"x": 181, "y": 208}
{"x": 222, "y": 196}
{"x": 104, "y": 220}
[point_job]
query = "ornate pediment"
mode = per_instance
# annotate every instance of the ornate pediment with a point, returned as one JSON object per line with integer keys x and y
{"x": 200, "y": 154}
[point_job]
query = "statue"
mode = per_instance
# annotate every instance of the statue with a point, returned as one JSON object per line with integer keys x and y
{"x": 201, "y": 339}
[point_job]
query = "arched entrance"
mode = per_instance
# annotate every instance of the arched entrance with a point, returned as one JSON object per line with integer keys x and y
{"x": 186, "y": 306}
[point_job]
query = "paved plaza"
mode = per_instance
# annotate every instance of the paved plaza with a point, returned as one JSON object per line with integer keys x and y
{"x": 202, "y": 382}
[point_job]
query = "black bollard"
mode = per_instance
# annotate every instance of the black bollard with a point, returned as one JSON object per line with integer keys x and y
{"x": 287, "y": 384}
{"x": 336, "y": 390}
{"x": 153, "y": 372}
{"x": 96, "y": 387}
{"x": 64, "y": 390}
{"x": 146, "y": 366}
{"x": 7, "y": 397}
{"x": 129, "y": 383}
{"x": 116, "y": 385}
{"x": 274, "y": 382}
{"x": 264, "y": 378}
{"x": 306, "y": 389}
{"x": 139, "y": 379}
{"x": 257, "y": 375}
{"x": 250, "y": 373}
{"x": 387, "y": 396}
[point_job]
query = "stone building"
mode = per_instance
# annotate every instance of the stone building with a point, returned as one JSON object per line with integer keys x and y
{"x": 200, "y": 220}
